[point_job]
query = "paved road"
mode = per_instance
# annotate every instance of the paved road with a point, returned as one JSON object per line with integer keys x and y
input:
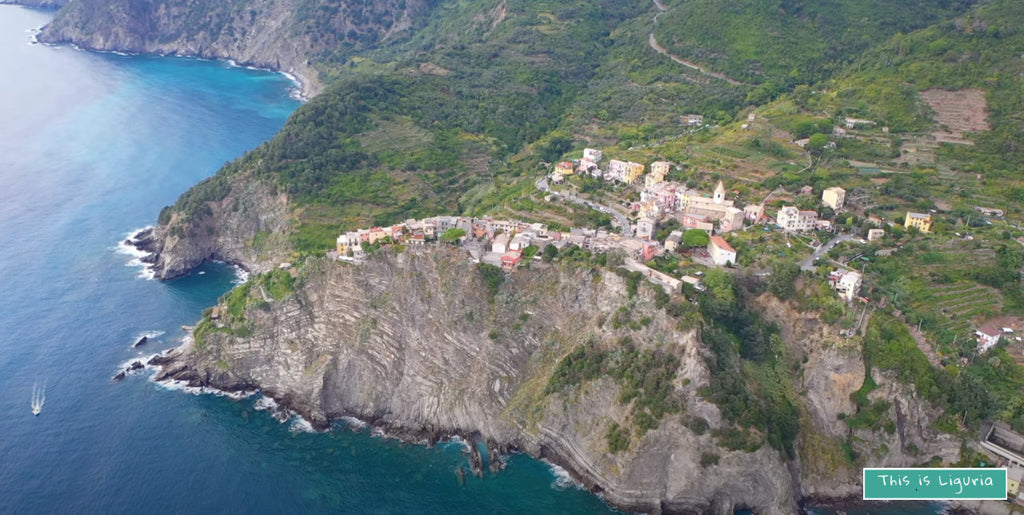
{"x": 620, "y": 217}
{"x": 808, "y": 264}
{"x": 694, "y": 66}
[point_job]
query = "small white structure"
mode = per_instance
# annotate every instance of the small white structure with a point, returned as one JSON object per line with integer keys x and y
{"x": 988, "y": 337}
{"x": 834, "y": 197}
{"x": 721, "y": 252}
{"x": 790, "y": 218}
{"x": 848, "y": 286}
{"x": 645, "y": 229}
{"x": 519, "y": 242}
{"x": 693, "y": 120}
{"x": 875, "y": 234}
{"x": 675, "y": 238}
{"x": 593, "y": 155}
{"x": 500, "y": 243}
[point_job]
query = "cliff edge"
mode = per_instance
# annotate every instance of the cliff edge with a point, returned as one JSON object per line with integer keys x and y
{"x": 419, "y": 342}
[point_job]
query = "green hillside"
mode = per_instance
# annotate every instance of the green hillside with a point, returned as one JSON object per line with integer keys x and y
{"x": 787, "y": 42}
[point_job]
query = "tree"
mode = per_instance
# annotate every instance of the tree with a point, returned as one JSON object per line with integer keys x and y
{"x": 783, "y": 280}
{"x": 453, "y": 235}
{"x": 550, "y": 253}
{"x": 696, "y": 238}
{"x": 817, "y": 142}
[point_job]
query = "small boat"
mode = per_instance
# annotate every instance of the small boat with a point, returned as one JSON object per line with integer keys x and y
{"x": 38, "y": 398}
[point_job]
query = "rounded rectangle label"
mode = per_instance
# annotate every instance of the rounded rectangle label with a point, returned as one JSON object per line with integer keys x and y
{"x": 934, "y": 484}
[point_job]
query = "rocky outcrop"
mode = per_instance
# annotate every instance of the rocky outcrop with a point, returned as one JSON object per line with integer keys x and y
{"x": 281, "y": 35}
{"x": 248, "y": 227}
{"x": 832, "y": 370}
{"x": 412, "y": 342}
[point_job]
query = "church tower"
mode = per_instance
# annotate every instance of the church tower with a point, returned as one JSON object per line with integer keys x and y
{"x": 719, "y": 193}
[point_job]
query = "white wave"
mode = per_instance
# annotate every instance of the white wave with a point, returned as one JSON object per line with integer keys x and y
{"x": 300, "y": 425}
{"x": 265, "y": 403}
{"x": 241, "y": 275}
{"x": 355, "y": 423}
{"x": 182, "y": 386}
{"x": 563, "y": 480}
{"x": 136, "y": 255}
{"x": 148, "y": 334}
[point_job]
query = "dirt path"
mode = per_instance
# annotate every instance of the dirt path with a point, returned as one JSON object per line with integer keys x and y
{"x": 661, "y": 50}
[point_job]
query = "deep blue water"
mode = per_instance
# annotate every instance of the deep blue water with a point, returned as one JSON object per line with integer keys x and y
{"x": 91, "y": 147}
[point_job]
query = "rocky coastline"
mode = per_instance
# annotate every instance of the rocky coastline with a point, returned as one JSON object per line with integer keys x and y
{"x": 342, "y": 346}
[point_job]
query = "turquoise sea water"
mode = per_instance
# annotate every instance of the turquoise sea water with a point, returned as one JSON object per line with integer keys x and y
{"x": 91, "y": 147}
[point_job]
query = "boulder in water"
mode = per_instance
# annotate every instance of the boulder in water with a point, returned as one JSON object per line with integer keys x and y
{"x": 141, "y": 341}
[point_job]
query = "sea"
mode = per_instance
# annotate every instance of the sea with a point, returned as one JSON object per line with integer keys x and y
{"x": 92, "y": 146}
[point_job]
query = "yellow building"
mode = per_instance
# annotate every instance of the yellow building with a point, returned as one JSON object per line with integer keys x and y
{"x": 346, "y": 242}
{"x": 564, "y": 168}
{"x": 661, "y": 168}
{"x": 1014, "y": 474}
{"x": 633, "y": 172}
{"x": 834, "y": 197}
{"x": 920, "y": 221}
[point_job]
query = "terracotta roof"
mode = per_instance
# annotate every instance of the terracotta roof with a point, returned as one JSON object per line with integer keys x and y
{"x": 719, "y": 242}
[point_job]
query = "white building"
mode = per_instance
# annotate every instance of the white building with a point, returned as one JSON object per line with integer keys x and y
{"x": 675, "y": 238}
{"x": 875, "y": 234}
{"x": 645, "y": 229}
{"x": 519, "y": 242}
{"x": 732, "y": 221}
{"x": 693, "y": 120}
{"x": 500, "y": 243}
{"x": 790, "y": 218}
{"x": 988, "y": 337}
{"x": 721, "y": 252}
{"x": 834, "y": 197}
{"x": 848, "y": 286}
{"x": 593, "y": 155}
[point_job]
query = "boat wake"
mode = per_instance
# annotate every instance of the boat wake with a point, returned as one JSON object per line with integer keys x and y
{"x": 38, "y": 397}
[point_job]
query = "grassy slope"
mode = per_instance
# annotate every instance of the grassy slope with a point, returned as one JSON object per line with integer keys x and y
{"x": 787, "y": 42}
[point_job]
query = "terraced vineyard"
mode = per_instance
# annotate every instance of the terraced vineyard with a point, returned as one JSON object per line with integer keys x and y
{"x": 959, "y": 304}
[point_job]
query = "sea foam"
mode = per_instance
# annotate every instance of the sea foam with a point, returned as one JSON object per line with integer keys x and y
{"x": 563, "y": 480}
{"x": 145, "y": 272}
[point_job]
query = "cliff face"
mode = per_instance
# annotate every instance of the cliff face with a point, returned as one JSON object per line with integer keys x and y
{"x": 283, "y": 35}
{"x": 411, "y": 341}
{"x": 833, "y": 369}
{"x": 247, "y": 227}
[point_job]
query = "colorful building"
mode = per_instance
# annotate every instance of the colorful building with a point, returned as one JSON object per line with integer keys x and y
{"x": 919, "y": 221}
{"x": 834, "y": 198}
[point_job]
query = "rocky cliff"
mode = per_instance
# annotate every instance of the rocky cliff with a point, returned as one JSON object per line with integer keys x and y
{"x": 235, "y": 218}
{"x": 414, "y": 342}
{"x": 832, "y": 371}
{"x": 282, "y": 35}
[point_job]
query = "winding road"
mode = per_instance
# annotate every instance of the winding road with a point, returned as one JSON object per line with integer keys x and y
{"x": 620, "y": 218}
{"x": 689, "y": 64}
{"x": 808, "y": 265}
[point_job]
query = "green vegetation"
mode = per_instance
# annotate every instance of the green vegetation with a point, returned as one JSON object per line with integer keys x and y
{"x": 751, "y": 381}
{"x": 492, "y": 277}
{"x": 618, "y": 438}
{"x": 453, "y": 235}
{"x": 645, "y": 378}
{"x": 696, "y": 238}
